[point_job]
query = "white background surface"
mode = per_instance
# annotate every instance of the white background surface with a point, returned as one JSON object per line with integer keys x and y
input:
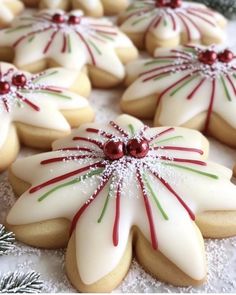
{"x": 221, "y": 254}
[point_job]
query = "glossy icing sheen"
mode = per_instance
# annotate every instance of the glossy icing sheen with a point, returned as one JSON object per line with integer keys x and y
{"x": 92, "y": 41}
{"x": 6, "y": 13}
{"x": 39, "y": 101}
{"x": 157, "y": 193}
{"x": 193, "y": 19}
{"x": 185, "y": 87}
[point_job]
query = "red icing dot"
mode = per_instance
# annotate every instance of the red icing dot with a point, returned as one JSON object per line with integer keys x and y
{"x": 19, "y": 80}
{"x": 74, "y": 20}
{"x": 208, "y": 57}
{"x": 226, "y": 56}
{"x": 114, "y": 150}
{"x": 138, "y": 148}
{"x": 58, "y": 18}
{"x": 176, "y": 3}
{"x": 4, "y": 87}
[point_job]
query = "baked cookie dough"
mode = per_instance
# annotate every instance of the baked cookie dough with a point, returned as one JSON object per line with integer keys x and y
{"x": 96, "y": 8}
{"x": 38, "y": 109}
{"x": 121, "y": 189}
{"x": 8, "y": 10}
{"x": 70, "y": 40}
{"x": 190, "y": 86}
{"x": 160, "y": 23}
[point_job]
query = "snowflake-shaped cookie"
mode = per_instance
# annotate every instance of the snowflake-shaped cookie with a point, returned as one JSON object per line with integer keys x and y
{"x": 8, "y": 10}
{"x": 122, "y": 184}
{"x": 39, "y": 108}
{"x": 168, "y": 23}
{"x": 70, "y": 40}
{"x": 94, "y": 8}
{"x": 189, "y": 86}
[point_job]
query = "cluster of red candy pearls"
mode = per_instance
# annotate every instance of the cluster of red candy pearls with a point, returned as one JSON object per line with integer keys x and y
{"x": 169, "y": 3}
{"x": 17, "y": 80}
{"x": 59, "y": 18}
{"x": 116, "y": 149}
{"x": 209, "y": 57}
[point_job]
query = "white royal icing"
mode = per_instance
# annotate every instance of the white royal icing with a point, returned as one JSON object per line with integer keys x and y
{"x": 6, "y": 13}
{"x": 39, "y": 101}
{"x": 193, "y": 19}
{"x": 177, "y": 156}
{"x": 93, "y": 41}
{"x": 177, "y": 101}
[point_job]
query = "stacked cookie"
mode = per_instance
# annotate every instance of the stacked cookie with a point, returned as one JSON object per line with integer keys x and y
{"x": 111, "y": 191}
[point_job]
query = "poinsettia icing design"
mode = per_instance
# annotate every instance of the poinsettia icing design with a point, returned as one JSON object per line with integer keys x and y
{"x": 108, "y": 178}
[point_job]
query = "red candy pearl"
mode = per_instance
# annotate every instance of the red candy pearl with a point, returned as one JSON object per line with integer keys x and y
{"x": 58, "y": 18}
{"x": 138, "y": 148}
{"x": 208, "y": 57}
{"x": 160, "y": 3}
{"x": 226, "y": 56}
{"x": 176, "y": 3}
{"x": 19, "y": 80}
{"x": 4, "y": 87}
{"x": 74, "y": 20}
{"x": 114, "y": 150}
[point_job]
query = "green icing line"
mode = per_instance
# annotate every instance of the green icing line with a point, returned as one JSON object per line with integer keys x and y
{"x": 17, "y": 29}
{"x": 191, "y": 170}
{"x": 49, "y": 93}
{"x": 139, "y": 20}
{"x": 165, "y": 216}
{"x": 105, "y": 36}
{"x": 44, "y": 76}
{"x": 182, "y": 86}
{"x": 165, "y": 22}
{"x": 74, "y": 181}
{"x": 162, "y": 76}
{"x": 169, "y": 139}
{"x": 95, "y": 47}
{"x": 105, "y": 205}
{"x": 131, "y": 128}
{"x": 69, "y": 43}
{"x": 225, "y": 88}
{"x": 159, "y": 61}
{"x": 234, "y": 75}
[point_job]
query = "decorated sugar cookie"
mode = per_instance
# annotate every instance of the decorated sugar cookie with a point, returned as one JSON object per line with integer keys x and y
{"x": 168, "y": 23}
{"x": 8, "y": 10}
{"x": 53, "y": 37}
{"x": 94, "y": 8}
{"x": 190, "y": 86}
{"x": 108, "y": 187}
{"x": 37, "y": 109}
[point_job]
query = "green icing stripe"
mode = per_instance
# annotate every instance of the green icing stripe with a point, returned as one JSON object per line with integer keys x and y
{"x": 234, "y": 75}
{"x": 182, "y": 86}
{"x": 44, "y": 76}
{"x": 31, "y": 39}
{"x": 225, "y": 88}
{"x": 131, "y": 128}
{"x": 105, "y": 36}
{"x": 139, "y": 20}
{"x": 168, "y": 139}
{"x": 165, "y": 216}
{"x": 17, "y": 29}
{"x": 49, "y": 93}
{"x": 74, "y": 181}
{"x": 105, "y": 205}
{"x": 191, "y": 170}
{"x": 161, "y": 77}
{"x": 95, "y": 47}
{"x": 165, "y": 22}
{"x": 159, "y": 61}
{"x": 69, "y": 43}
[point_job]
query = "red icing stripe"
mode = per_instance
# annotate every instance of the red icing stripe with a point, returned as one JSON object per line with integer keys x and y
{"x": 194, "y": 91}
{"x": 87, "y": 47}
{"x": 48, "y": 45}
{"x": 70, "y": 158}
{"x": 93, "y": 141}
{"x": 119, "y": 129}
{"x": 161, "y": 133}
{"x": 196, "y": 162}
{"x": 117, "y": 218}
{"x": 210, "y": 109}
{"x": 97, "y": 131}
{"x": 178, "y": 148}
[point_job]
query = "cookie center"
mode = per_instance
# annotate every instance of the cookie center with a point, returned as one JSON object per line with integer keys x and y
{"x": 59, "y": 18}
{"x": 18, "y": 81}
{"x": 210, "y": 57}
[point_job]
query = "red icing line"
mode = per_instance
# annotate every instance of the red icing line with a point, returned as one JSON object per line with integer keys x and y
{"x": 88, "y": 48}
{"x": 202, "y": 18}
{"x": 148, "y": 211}
{"x": 185, "y": 25}
{"x": 136, "y": 13}
{"x": 8, "y": 72}
{"x": 170, "y": 189}
{"x": 29, "y": 103}
{"x": 173, "y": 21}
{"x": 191, "y": 95}
{"x": 117, "y": 218}
{"x": 48, "y": 45}
{"x": 64, "y": 176}
{"x": 162, "y": 68}
{"x": 150, "y": 25}
{"x": 156, "y": 24}
{"x": 156, "y": 75}
{"x": 6, "y": 104}
{"x": 86, "y": 205}
{"x": 93, "y": 141}
{"x": 191, "y": 21}
{"x": 119, "y": 129}
{"x": 196, "y": 162}
{"x": 182, "y": 53}
{"x": 177, "y": 148}
{"x": 210, "y": 109}
{"x": 72, "y": 158}
{"x": 76, "y": 149}
{"x": 231, "y": 83}
{"x": 204, "y": 11}
{"x": 64, "y": 45}
{"x": 161, "y": 133}
{"x": 97, "y": 131}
